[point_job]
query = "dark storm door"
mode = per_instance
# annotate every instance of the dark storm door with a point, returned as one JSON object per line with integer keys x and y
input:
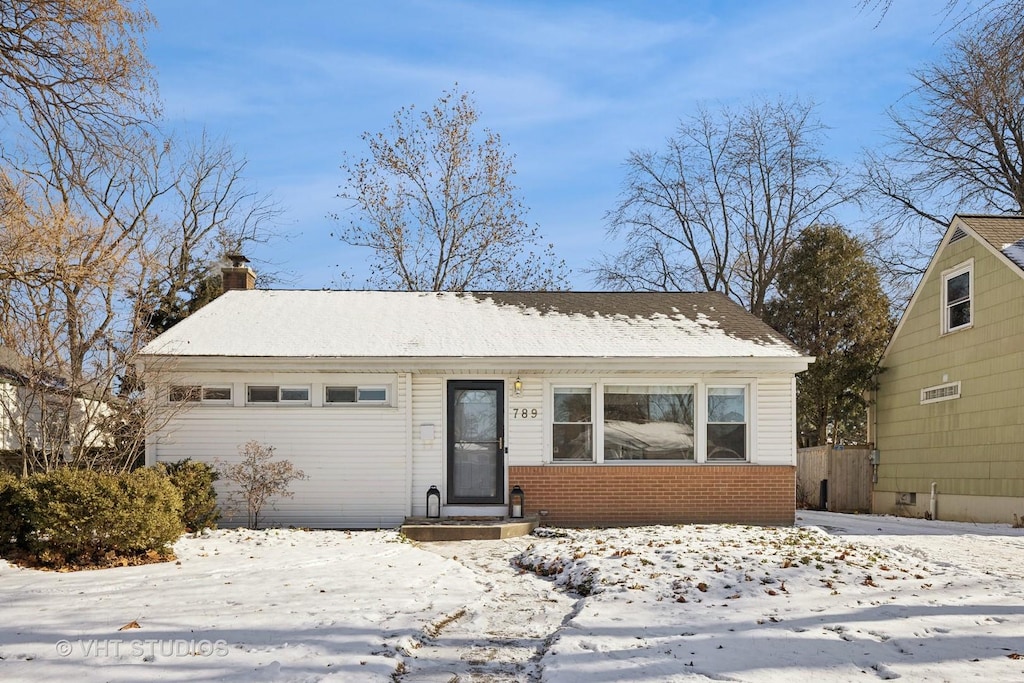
{"x": 476, "y": 442}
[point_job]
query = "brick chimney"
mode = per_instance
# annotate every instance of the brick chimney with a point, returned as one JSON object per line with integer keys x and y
{"x": 237, "y": 275}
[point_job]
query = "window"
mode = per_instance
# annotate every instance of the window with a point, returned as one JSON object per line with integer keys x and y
{"x": 277, "y": 394}
{"x": 373, "y": 394}
{"x": 333, "y": 395}
{"x": 648, "y": 422}
{"x": 957, "y": 299}
{"x": 942, "y": 392}
{"x": 193, "y": 393}
{"x": 572, "y": 429}
{"x": 727, "y": 424}
{"x": 216, "y": 394}
{"x": 184, "y": 394}
{"x": 340, "y": 395}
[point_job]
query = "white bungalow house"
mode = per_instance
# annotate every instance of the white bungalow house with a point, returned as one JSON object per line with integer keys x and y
{"x": 605, "y": 408}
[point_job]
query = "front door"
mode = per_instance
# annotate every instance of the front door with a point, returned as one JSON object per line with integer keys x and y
{"x": 476, "y": 442}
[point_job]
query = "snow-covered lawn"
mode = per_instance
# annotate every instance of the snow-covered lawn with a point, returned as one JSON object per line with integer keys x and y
{"x": 837, "y": 598}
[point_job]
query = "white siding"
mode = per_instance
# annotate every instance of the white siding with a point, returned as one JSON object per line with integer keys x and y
{"x": 357, "y": 457}
{"x": 8, "y": 441}
{"x": 776, "y": 428}
{"x": 525, "y": 436}
{"x": 354, "y": 455}
{"x": 427, "y": 454}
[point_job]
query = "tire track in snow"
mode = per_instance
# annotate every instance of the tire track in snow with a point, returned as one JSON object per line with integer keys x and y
{"x": 503, "y": 635}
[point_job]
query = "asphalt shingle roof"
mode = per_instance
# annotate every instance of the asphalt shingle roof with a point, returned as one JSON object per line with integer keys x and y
{"x": 1004, "y": 233}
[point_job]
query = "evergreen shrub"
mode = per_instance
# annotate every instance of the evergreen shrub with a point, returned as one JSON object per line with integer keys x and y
{"x": 194, "y": 481}
{"x": 13, "y": 502}
{"x": 83, "y": 517}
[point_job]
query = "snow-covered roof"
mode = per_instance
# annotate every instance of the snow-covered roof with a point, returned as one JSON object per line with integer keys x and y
{"x": 368, "y": 324}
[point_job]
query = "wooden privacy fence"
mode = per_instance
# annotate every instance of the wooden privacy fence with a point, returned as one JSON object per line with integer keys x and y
{"x": 846, "y": 471}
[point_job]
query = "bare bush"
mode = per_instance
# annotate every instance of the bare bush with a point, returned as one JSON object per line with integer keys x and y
{"x": 258, "y": 479}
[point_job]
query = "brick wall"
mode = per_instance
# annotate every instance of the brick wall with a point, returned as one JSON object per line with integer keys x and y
{"x": 618, "y": 495}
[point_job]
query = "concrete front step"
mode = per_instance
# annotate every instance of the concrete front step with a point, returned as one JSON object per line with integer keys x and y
{"x": 466, "y": 528}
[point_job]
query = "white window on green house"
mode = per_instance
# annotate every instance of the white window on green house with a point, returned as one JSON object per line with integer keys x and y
{"x": 957, "y": 298}
{"x": 260, "y": 394}
{"x": 727, "y": 424}
{"x": 355, "y": 394}
{"x": 644, "y": 422}
{"x": 572, "y": 429}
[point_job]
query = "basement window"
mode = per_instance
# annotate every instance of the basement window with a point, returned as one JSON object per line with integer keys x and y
{"x": 942, "y": 392}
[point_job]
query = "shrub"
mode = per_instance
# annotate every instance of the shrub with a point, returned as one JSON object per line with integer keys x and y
{"x": 14, "y": 499}
{"x": 85, "y": 517}
{"x": 148, "y": 515}
{"x": 194, "y": 481}
{"x": 258, "y": 479}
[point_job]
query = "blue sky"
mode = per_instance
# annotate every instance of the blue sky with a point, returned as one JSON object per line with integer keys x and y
{"x": 571, "y": 87}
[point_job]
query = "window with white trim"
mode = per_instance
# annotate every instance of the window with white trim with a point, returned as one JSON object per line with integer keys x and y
{"x": 338, "y": 395}
{"x": 194, "y": 393}
{"x": 647, "y": 422}
{"x": 270, "y": 393}
{"x": 958, "y": 297}
{"x": 184, "y": 393}
{"x": 942, "y": 392}
{"x": 727, "y": 424}
{"x": 631, "y": 421}
{"x": 572, "y": 428}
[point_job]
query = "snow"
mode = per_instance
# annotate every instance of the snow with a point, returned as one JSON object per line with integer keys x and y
{"x": 836, "y": 598}
{"x": 360, "y": 324}
{"x": 1015, "y": 252}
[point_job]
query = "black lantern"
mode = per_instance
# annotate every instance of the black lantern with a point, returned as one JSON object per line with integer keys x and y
{"x": 433, "y": 502}
{"x": 516, "y": 502}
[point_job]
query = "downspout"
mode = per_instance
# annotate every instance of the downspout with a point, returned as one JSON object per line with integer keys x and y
{"x": 933, "y": 503}
{"x": 408, "y": 444}
{"x": 150, "y": 438}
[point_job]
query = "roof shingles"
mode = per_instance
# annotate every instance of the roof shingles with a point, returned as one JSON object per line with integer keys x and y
{"x": 1004, "y": 233}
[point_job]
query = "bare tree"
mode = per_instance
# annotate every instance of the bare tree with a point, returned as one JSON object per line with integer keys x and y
{"x": 211, "y": 210}
{"x": 978, "y": 16}
{"x": 97, "y": 211}
{"x": 72, "y": 75}
{"x": 435, "y": 202}
{"x": 64, "y": 313}
{"x": 720, "y": 206}
{"x": 958, "y": 145}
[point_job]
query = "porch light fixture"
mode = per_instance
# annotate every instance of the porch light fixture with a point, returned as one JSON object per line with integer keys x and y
{"x": 433, "y": 502}
{"x": 516, "y": 502}
{"x": 517, "y": 387}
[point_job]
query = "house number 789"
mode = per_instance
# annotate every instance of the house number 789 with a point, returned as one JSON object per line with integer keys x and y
{"x": 523, "y": 413}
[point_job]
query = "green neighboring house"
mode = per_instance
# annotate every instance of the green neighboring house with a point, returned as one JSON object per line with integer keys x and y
{"x": 949, "y": 409}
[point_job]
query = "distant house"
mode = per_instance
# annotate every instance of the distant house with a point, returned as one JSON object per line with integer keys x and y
{"x": 950, "y": 405}
{"x": 41, "y": 417}
{"x": 606, "y": 409}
